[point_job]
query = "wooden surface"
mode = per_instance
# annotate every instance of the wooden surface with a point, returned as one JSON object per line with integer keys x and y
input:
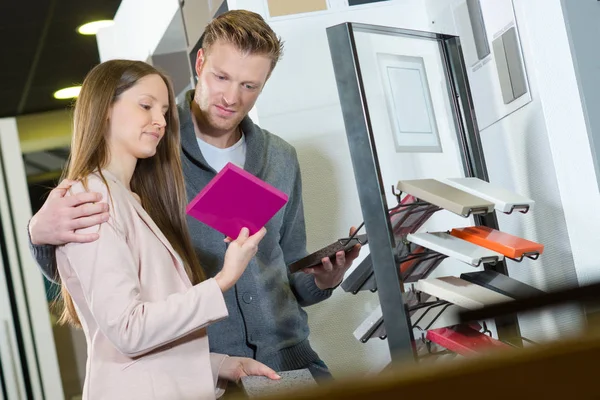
{"x": 562, "y": 370}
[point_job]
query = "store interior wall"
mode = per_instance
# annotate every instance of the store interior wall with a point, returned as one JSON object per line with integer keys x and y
{"x": 520, "y": 157}
{"x": 567, "y": 130}
{"x": 583, "y": 32}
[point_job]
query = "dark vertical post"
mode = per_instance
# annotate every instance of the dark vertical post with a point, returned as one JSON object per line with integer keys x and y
{"x": 371, "y": 190}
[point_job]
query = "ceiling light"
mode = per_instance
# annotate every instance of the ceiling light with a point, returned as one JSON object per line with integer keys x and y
{"x": 67, "y": 93}
{"x": 91, "y": 28}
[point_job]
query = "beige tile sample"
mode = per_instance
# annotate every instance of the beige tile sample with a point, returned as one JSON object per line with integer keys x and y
{"x": 445, "y": 196}
{"x": 278, "y": 8}
{"x": 460, "y": 292}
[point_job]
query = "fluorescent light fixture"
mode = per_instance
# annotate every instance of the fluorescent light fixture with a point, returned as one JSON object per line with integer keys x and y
{"x": 67, "y": 93}
{"x": 91, "y": 28}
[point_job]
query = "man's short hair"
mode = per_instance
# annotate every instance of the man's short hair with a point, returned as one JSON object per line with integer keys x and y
{"x": 247, "y": 31}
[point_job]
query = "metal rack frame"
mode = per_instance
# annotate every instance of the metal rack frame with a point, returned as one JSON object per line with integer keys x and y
{"x": 366, "y": 168}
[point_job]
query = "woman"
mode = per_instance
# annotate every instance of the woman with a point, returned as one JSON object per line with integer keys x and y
{"x": 138, "y": 291}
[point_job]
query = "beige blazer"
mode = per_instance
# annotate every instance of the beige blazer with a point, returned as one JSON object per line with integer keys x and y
{"x": 143, "y": 320}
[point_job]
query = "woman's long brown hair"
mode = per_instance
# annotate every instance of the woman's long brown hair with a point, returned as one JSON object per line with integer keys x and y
{"x": 158, "y": 180}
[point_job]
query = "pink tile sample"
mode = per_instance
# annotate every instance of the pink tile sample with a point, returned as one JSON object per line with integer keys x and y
{"x": 234, "y": 199}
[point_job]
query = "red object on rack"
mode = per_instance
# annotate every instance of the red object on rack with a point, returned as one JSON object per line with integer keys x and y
{"x": 509, "y": 245}
{"x": 413, "y": 259}
{"x": 464, "y": 340}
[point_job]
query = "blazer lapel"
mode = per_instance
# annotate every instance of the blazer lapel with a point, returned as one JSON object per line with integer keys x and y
{"x": 151, "y": 224}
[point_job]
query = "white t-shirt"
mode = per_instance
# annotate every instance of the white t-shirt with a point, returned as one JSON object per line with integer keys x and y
{"x": 218, "y": 158}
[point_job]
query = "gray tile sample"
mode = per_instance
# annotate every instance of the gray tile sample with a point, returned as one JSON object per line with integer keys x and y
{"x": 502, "y": 69}
{"x": 478, "y": 26}
{"x": 256, "y": 386}
{"x": 515, "y": 62}
{"x": 509, "y": 65}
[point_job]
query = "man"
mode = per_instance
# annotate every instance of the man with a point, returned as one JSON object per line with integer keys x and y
{"x": 266, "y": 320}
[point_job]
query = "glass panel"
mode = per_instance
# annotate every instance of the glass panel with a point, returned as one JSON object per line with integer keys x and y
{"x": 409, "y": 106}
{"x": 29, "y": 332}
{"x": 9, "y": 349}
{"x": 11, "y": 381}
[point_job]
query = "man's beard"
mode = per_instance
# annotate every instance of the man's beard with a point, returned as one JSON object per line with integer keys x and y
{"x": 220, "y": 124}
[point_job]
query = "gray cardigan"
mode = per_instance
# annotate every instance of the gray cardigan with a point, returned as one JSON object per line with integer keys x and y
{"x": 266, "y": 319}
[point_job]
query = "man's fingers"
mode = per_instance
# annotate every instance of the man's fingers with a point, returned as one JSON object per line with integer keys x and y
{"x": 88, "y": 209}
{"x": 65, "y": 184}
{"x": 83, "y": 198}
{"x": 340, "y": 259}
{"x": 58, "y": 192}
{"x": 81, "y": 237}
{"x": 87, "y": 222}
{"x": 353, "y": 254}
{"x": 327, "y": 265}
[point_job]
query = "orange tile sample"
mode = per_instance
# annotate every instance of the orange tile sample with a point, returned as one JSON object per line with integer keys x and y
{"x": 504, "y": 243}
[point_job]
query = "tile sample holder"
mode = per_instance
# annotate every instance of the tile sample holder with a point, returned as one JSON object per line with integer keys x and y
{"x": 361, "y": 278}
{"x": 428, "y": 315}
{"x": 418, "y": 262}
{"x": 410, "y": 214}
{"x": 414, "y": 265}
{"x": 406, "y": 217}
{"x": 465, "y": 340}
{"x": 373, "y": 325}
{"x": 502, "y": 284}
{"x": 504, "y": 200}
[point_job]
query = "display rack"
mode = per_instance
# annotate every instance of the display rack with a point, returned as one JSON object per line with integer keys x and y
{"x": 504, "y": 200}
{"x": 391, "y": 231}
{"x": 451, "y": 246}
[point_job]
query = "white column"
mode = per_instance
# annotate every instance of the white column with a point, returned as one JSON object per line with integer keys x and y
{"x": 139, "y": 27}
{"x": 567, "y": 130}
{"x": 30, "y": 296}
